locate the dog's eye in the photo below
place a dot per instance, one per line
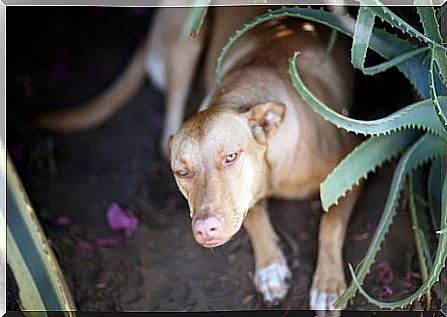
(183, 173)
(230, 158)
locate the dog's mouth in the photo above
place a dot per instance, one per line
(217, 243)
(214, 243)
(221, 239)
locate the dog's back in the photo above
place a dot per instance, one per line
(270, 46)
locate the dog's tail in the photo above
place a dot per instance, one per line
(94, 112)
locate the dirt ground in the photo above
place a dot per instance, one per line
(160, 267)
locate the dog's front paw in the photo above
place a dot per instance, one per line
(271, 281)
(323, 303)
(327, 286)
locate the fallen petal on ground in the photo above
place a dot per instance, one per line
(384, 273)
(118, 219)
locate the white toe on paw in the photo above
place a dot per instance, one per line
(271, 281)
(323, 303)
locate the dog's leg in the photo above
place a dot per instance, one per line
(180, 71)
(328, 280)
(271, 272)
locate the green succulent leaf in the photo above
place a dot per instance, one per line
(440, 112)
(420, 224)
(429, 22)
(432, 29)
(385, 14)
(365, 158)
(418, 115)
(364, 26)
(374, 70)
(426, 148)
(331, 43)
(438, 170)
(429, 146)
(362, 34)
(39, 279)
(195, 19)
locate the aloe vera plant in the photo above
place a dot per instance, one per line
(196, 17)
(417, 132)
(40, 281)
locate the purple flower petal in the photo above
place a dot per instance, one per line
(119, 220)
(385, 273)
(386, 291)
(111, 242)
(63, 221)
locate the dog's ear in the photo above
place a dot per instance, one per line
(264, 119)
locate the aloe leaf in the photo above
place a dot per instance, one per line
(427, 16)
(432, 29)
(434, 96)
(365, 158)
(374, 70)
(427, 147)
(438, 170)
(195, 19)
(385, 44)
(331, 43)
(441, 252)
(419, 224)
(419, 115)
(385, 14)
(362, 35)
(32, 261)
(29, 295)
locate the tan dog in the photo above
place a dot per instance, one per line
(254, 137)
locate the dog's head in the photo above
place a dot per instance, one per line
(218, 158)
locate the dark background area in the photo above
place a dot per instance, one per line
(61, 56)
